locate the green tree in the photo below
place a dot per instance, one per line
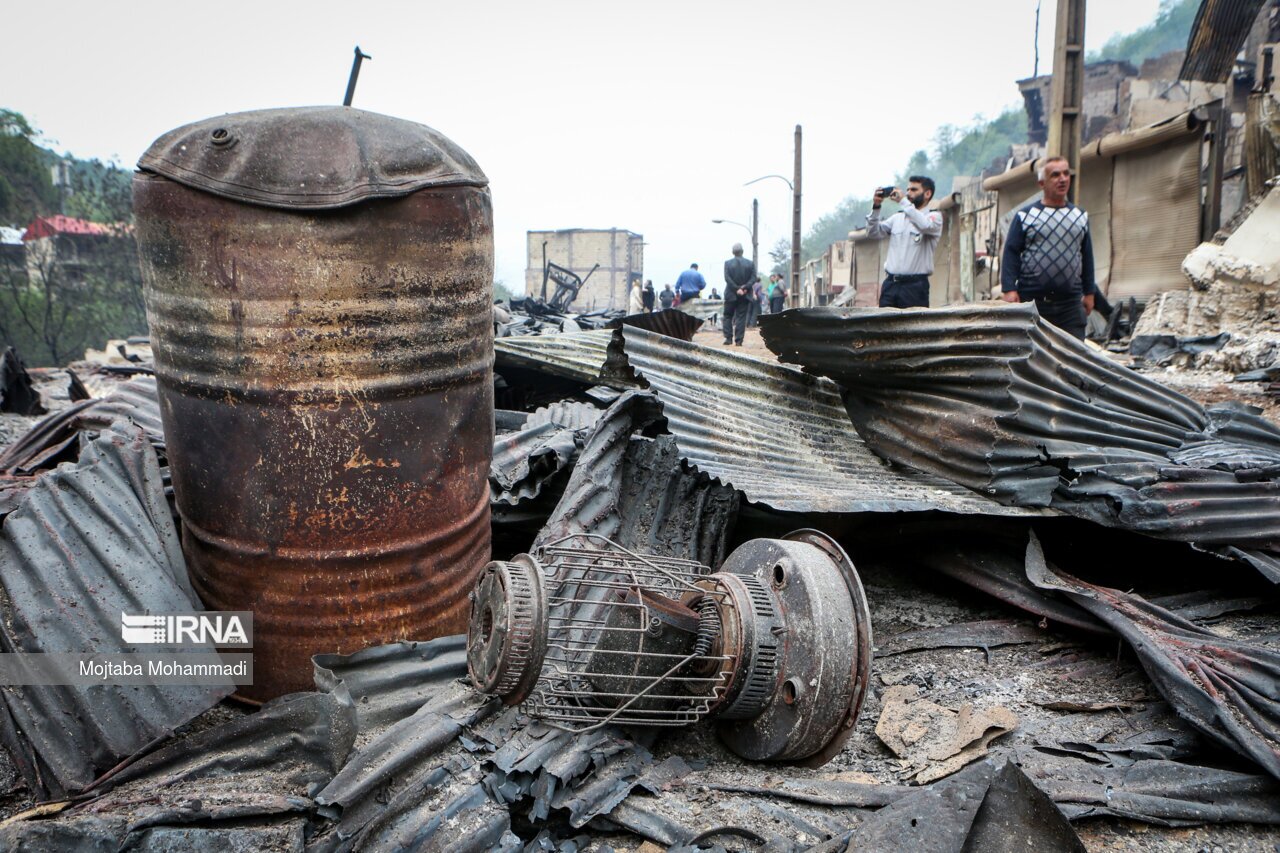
(501, 293)
(780, 254)
(26, 190)
(1169, 31)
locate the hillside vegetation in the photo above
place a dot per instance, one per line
(968, 150)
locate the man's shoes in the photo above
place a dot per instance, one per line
(737, 343)
(727, 343)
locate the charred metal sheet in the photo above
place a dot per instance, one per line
(1002, 573)
(994, 399)
(391, 682)
(87, 543)
(778, 435)
(579, 356)
(325, 373)
(635, 491)
(1216, 35)
(568, 414)
(17, 395)
(983, 807)
(671, 322)
(405, 757)
(54, 439)
(980, 808)
(1161, 792)
(986, 635)
(250, 778)
(1227, 688)
(523, 461)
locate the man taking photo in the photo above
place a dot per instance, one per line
(913, 235)
(1048, 254)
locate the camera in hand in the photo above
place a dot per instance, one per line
(886, 191)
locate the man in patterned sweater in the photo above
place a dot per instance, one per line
(1048, 254)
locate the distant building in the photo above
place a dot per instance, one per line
(619, 253)
(12, 250)
(74, 245)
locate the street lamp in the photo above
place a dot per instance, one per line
(795, 218)
(755, 220)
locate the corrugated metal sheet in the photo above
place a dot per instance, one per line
(991, 397)
(1227, 687)
(245, 785)
(634, 491)
(670, 321)
(579, 356)
(388, 683)
(778, 435)
(1216, 36)
(86, 543)
(522, 461)
(54, 439)
(567, 413)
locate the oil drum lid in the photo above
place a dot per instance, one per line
(310, 158)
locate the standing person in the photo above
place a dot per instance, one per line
(1048, 254)
(739, 283)
(690, 283)
(913, 235)
(667, 296)
(778, 295)
(635, 302)
(647, 296)
(757, 302)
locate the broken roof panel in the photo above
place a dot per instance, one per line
(780, 436)
(671, 322)
(50, 440)
(991, 397)
(1228, 688)
(1216, 36)
(87, 543)
(237, 786)
(578, 356)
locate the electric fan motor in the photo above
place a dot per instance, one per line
(776, 646)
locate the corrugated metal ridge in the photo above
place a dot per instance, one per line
(667, 321)
(578, 356)
(779, 435)
(1216, 35)
(995, 399)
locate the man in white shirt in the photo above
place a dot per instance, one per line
(913, 235)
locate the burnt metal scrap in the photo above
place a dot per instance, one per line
(1227, 688)
(583, 633)
(88, 542)
(1216, 36)
(994, 399)
(633, 489)
(57, 438)
(17, 395)
(778, 435)
(670, 322)
(244, 785)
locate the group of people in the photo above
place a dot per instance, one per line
(1048, 259)
(1048, 253)
(746, 294)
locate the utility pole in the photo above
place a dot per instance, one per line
(755, 230)
(1067, 88)
(795, 223)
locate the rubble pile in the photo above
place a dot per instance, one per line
(1233, 292)
(1019, 508)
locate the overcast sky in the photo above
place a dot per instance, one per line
(645, 116)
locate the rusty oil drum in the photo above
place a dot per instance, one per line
(318, 286)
